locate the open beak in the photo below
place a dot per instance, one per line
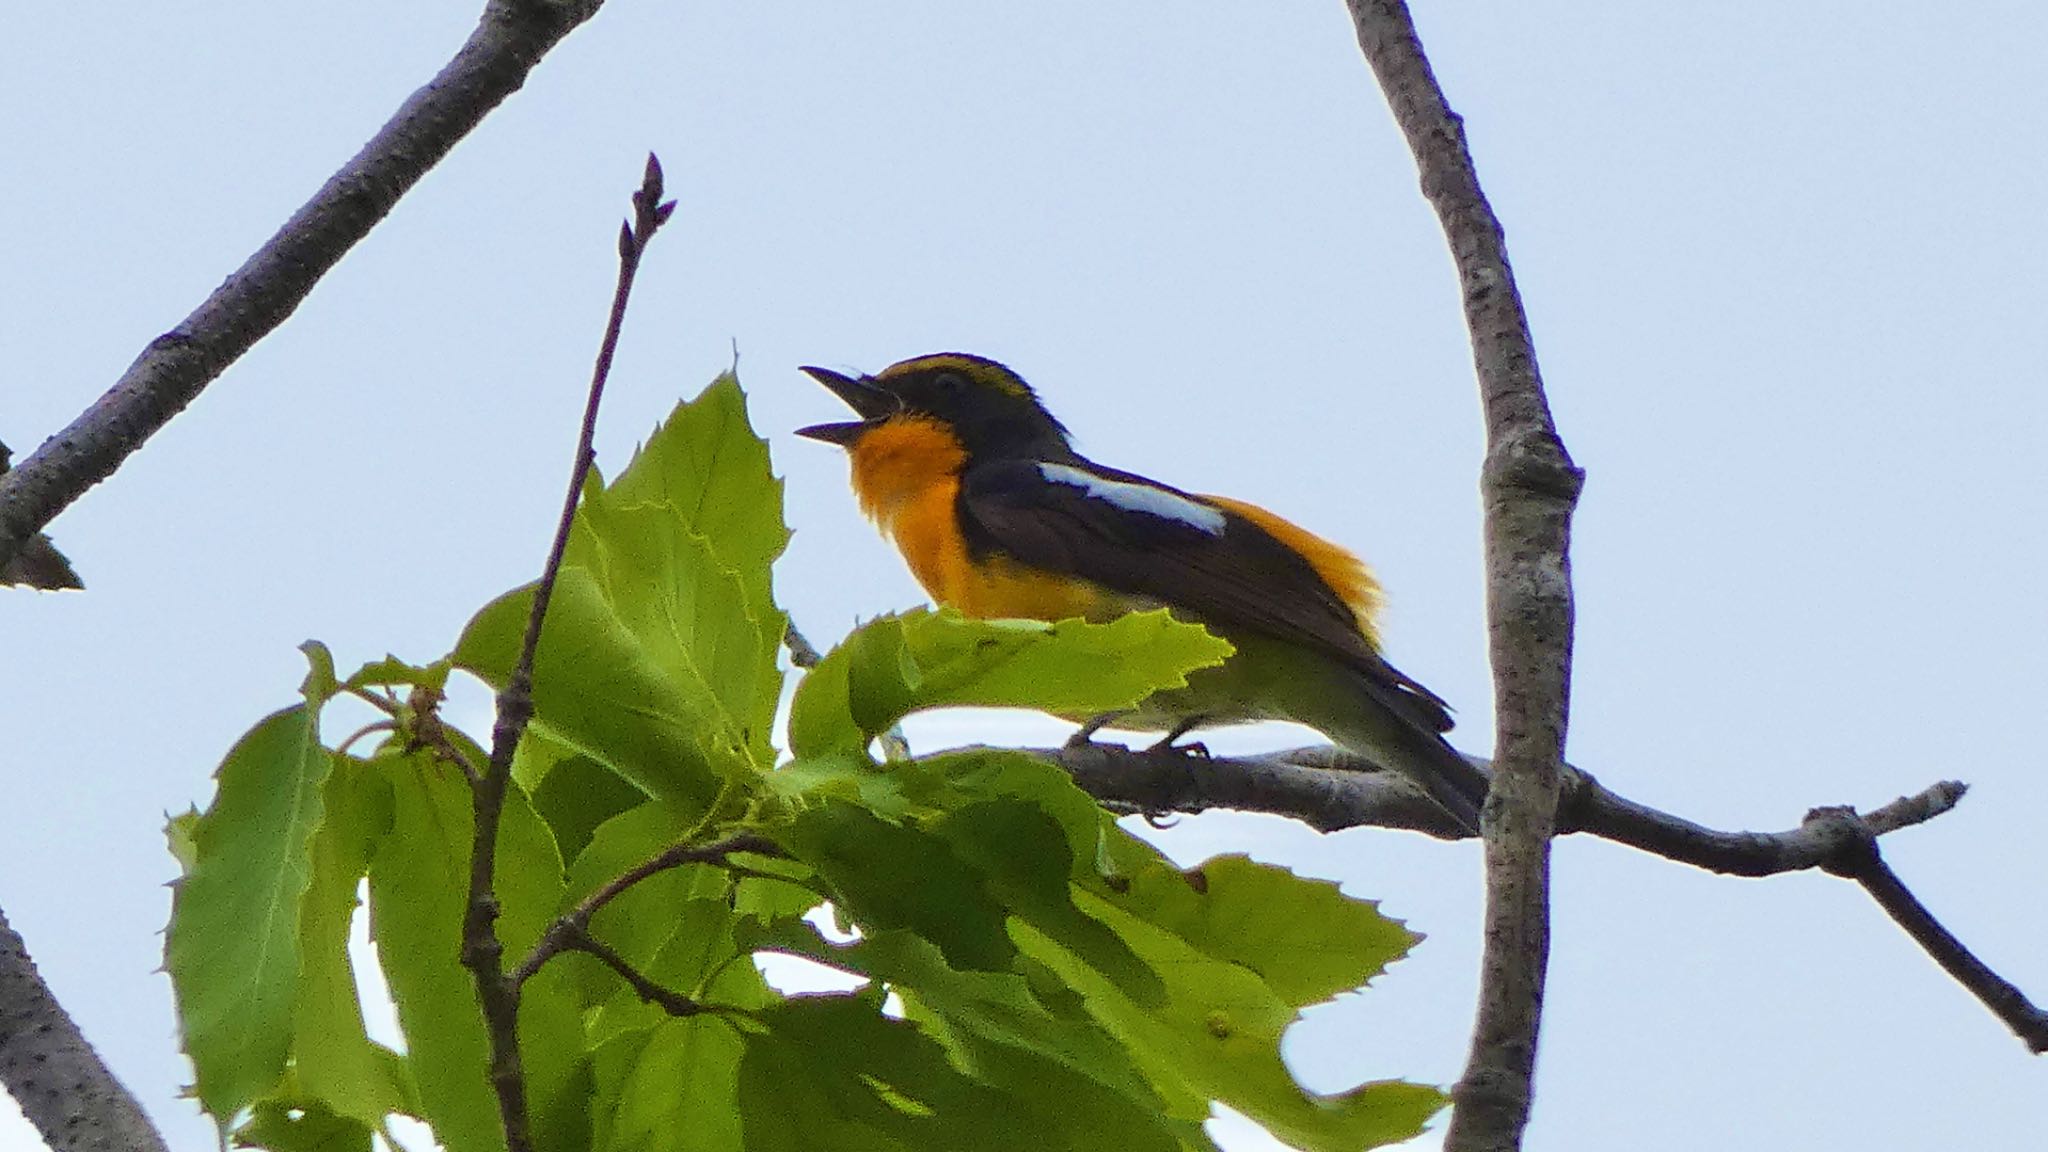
(873, 404)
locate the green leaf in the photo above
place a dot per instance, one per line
(638, 922)
(706, 463)
(301, 1126)
(598, 689)
(419, 885)
(319, 685)
(897, 665)
(1206, 968)
(233, 946)
(1077, 1082)
(889, 875)
(691, 612)
(531, 893)
(669, 1088)
(833, 1072)
(577, 795)
(334, 1061)
(659, 654)
(391, 672)
(181, 834)
(1023, 857)
(1303, 937)
(1218, 1037)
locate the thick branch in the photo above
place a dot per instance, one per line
(37, 563)
(1329, 789)
(1529, 487)
(51, 1071)
(171, 372)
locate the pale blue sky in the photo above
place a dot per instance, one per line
(1786, 266)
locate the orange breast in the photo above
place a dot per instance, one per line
(906, 475)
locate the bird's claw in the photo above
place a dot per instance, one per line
(1085, 734)
(1194, 748)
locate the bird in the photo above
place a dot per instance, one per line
(960, 464)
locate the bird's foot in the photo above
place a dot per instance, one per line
(1085, 734)
(1193, 748)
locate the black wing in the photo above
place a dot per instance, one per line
(1146, 539)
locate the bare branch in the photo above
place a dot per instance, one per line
(509, 40)
(482, 952)
(1530, 487)
(51, 1071)
(2008, 1003)
(37, 564)
(1329, 788)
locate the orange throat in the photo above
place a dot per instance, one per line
(906, 475)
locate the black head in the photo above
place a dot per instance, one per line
(989, 408)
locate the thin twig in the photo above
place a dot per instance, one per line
(674, 1003)
(493, 63)
(342, 748)
(2005, 1001)
(1330, 789)
(482, 952)
(53, 1074)
(575, 923)
(1529, 487)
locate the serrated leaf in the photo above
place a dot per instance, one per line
(897, 665)
(180, 835)
(1218, 1034)
(1302, 936)
(1242, 947)
(672, 590)
(659, 654)
(706, 463)
(233, 947)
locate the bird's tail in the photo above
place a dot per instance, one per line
(1370, 718)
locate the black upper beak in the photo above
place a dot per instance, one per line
(874, 404)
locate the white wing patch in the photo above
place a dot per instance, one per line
(1138, 498)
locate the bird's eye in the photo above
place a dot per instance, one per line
(950, 382)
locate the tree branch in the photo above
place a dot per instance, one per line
(1530, 487)
(573, 926)
(1329, 789)
(510, 39)
(37, 563)
(51, 1071)
(482, 952)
